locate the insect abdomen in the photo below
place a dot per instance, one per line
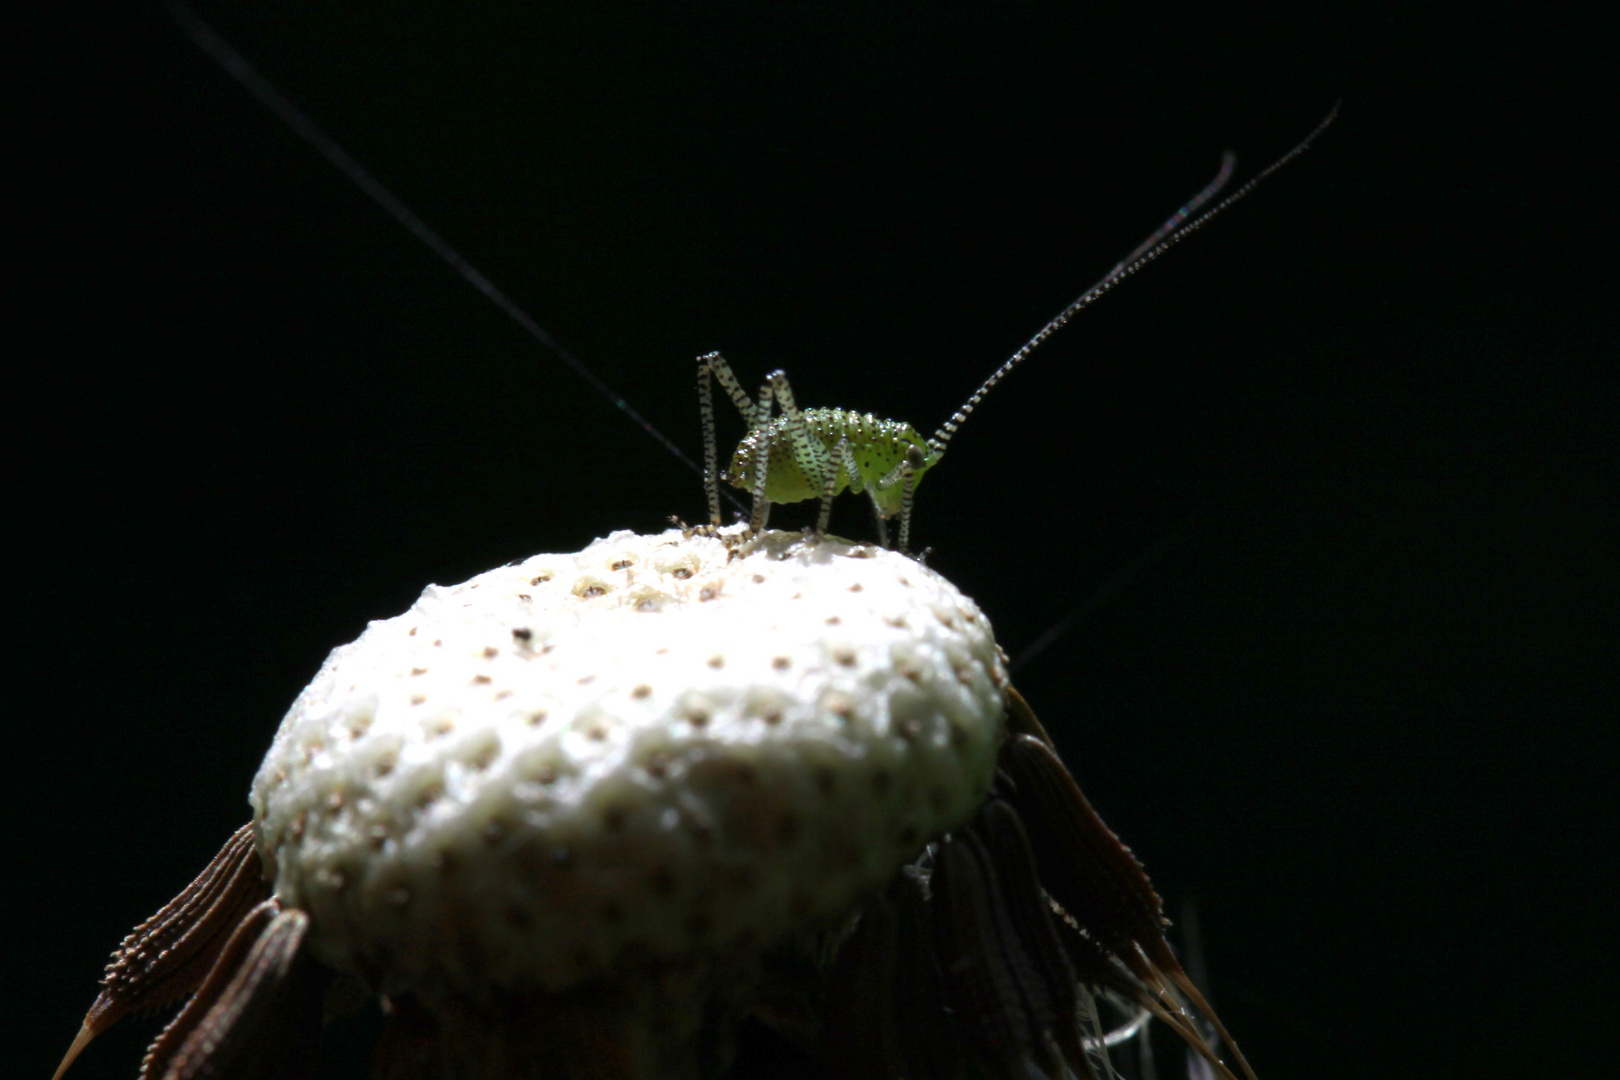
(877, 446)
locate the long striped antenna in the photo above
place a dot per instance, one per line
(235, 64)
(1178, 227)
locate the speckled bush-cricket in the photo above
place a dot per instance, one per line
(811, 453)
(787, 454)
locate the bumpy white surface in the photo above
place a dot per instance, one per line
(639, 751)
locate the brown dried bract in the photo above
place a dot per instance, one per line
(169, 955)
(258, 1014)
(1092, 877)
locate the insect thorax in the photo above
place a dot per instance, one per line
(876, 446)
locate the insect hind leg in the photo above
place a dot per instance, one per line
(713, 366)
(810, 454)
(759, 439)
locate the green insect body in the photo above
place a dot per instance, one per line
(814, 453)
(818, 453)
(877, 447)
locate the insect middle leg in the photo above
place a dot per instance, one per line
(843, 461)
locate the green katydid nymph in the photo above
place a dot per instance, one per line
(787, 454)
(791, 454)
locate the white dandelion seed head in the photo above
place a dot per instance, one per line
(641, 751)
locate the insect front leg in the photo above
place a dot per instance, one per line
(904, 474)
(908, 480)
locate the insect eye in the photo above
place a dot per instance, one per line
(916, 455)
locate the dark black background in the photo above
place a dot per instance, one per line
(1361, 711)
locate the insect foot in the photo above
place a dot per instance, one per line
(582, 815)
